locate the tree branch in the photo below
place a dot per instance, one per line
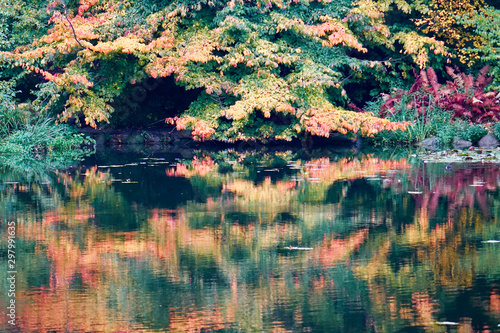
(65, 14)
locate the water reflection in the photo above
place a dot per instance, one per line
(238, 242)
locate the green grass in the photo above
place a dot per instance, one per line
(433, 121)
(24, 142)
(429, 122)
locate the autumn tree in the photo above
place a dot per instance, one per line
(442, 19)
(261, 69)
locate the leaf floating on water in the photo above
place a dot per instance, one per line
(298, 248)
(450, 323)
(491, 241)
(128, 181)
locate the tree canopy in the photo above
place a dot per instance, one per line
(255, 69)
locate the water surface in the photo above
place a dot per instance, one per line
(253, 242)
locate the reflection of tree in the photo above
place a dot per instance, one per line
(381, 259)
(93, 273)
(462, 186)
(439, 248)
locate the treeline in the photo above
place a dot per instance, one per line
(244, 70)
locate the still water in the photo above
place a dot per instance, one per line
(251, 242)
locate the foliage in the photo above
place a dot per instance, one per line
(271, 70)
(426, 121)
(267, 70)
(21, 22)
(474, 133)
(442, 19)
(454, 109)
(10, 116)
(56, 144)
(486, 24)
(496, 130)
(28, 137)
(465, 96)
(447, 131)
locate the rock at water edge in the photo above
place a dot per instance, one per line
(488, 141)
(430, 143)
(461, 143)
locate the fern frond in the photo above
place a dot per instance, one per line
(433, 80)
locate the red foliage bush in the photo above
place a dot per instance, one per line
(465, 96)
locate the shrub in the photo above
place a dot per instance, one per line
(474, 133)
(45, 139)
(428, 120)
(496, 130)
(448, 130)
(465, 96)
(459, 128)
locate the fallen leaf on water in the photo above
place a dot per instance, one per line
(451, 323)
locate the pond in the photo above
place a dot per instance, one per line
(219, 241)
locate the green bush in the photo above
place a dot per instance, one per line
(473, 133)
(459, 128)
(45, 139)
(10, 117)
(496, 130)
(447, 131)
